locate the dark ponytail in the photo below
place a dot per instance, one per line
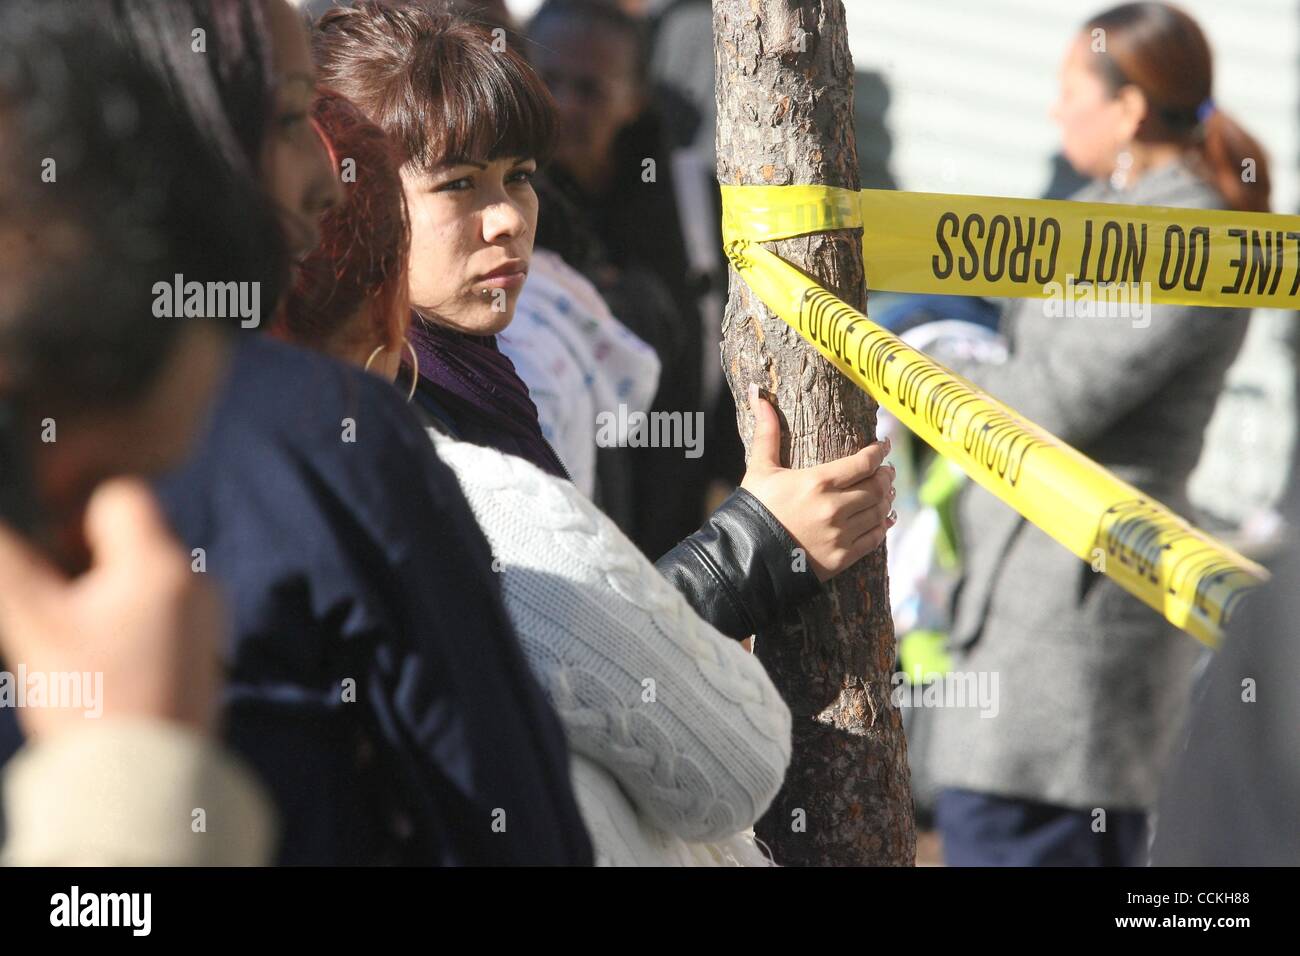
(1232, 158)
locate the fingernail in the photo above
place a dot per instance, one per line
(892, 492)
(888, 445)
(892, 517)
(753, 392)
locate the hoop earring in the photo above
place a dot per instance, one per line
(415, 370)
(415, 366)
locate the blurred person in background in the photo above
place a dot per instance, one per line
(96, 386)
(616, 163)
(1094, 684)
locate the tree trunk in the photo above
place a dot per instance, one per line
(785, 116)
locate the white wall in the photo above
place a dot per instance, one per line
(971, 81)
(523, 9)
(971, 84)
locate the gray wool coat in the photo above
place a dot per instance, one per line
(1092, 685)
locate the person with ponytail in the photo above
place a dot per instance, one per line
(1094, 684)
(1153, 65)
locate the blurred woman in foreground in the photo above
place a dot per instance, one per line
(95, 385)
(376, 684)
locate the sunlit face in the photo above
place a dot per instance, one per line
(1095, 125)
(589, 73)
(472, 231)
(295, 167)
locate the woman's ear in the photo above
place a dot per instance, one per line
(1133, 110)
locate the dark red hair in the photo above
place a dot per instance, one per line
(359, 266)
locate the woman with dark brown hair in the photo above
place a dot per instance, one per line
(677, 779)
(1094, 684)
(472, 122)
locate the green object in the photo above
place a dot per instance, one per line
(922, 655)
(939, 490)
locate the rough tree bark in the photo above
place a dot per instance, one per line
(785, 116)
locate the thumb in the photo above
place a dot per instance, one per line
(124, 523)
(765, 449)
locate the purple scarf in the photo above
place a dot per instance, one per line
(468, 378)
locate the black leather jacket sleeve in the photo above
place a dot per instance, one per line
(739, 570)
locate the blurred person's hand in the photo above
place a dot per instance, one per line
(139, 616)
(837, 512)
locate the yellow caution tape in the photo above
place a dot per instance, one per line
(1040, 248)
(1190, 578)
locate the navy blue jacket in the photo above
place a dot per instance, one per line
(375, 682)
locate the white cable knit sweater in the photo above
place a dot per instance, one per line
(686, 724)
